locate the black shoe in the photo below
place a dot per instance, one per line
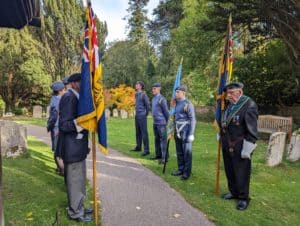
(84, 218)
(176, 173)
(135, 149)
(88, 210)
(242, 204)
(155, 158)
(184, 177)
(228, 196)
(145, 153)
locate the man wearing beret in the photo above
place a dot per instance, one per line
(185, 123)
(66, 83)
(238, 137)
(74, 145)
(52, 123)
(160, 115)
(142, 107)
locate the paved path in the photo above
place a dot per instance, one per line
(131, 195)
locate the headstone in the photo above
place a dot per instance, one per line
(131, 114)
(37, 111)
(115, 113)
(9, 114)
(276, 148)
(13, 139)
(293, 150)
(123, 114)
(47, 111)
(107, 114)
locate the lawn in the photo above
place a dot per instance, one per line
(33, 193)
(274, 192)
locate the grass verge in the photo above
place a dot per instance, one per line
(33, 192)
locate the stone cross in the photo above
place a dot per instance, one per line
(276, 148)
(293, 150)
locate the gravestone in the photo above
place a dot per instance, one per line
(276, 148)
(13, 139)
(115, 113)
(131, 114)
(123, 114)
(107, 114)
(293, 150)
(37, 111)
(8, 114)
(47, 111)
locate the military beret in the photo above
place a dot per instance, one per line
(74, 77)
(141, 83)
(182, 88)
(57, 86)
(233, 85)
(157, 84)
(65, 80)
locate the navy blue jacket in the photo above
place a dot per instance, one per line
(160, 110)
(71, 148)
(142, 105)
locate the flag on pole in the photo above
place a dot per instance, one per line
(170, 123)
(91, 98)
(225, 71)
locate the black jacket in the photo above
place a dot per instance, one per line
(71, 148)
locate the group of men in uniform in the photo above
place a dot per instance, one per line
(238, 134)
(185, 122)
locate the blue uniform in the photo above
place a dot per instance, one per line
(142, 108)
(185, 122)
(160, 115)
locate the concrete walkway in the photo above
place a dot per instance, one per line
(131, 195)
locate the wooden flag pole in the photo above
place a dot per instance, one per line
(95, 178)
(217, 187)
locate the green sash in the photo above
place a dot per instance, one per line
(227, 118)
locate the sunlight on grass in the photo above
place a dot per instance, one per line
(274, 191)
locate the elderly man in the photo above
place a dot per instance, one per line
(160, 115)
(142, 107)
(238, 137)
(185, 123)
(73, 142)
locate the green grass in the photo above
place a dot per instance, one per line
(275, 191)
(33, 192)
(29, 120)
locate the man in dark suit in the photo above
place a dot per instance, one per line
(238, 137)
(73, 144)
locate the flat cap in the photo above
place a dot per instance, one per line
(57, 86)
(74, 77)
(182, 88)
(141, 83)
(157, 84)
(65, 80)
(233, 85)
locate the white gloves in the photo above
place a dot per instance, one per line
(190, 138)
(248, 148)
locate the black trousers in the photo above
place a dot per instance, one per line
(160, 134)
(237, 171)
(141, 133)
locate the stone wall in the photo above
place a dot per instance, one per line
(13, 139)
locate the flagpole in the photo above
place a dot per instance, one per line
(94, 178)
(217, 186)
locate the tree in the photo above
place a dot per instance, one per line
(137, 20)
(23, 77)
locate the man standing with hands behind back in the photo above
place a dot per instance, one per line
(238, 137)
